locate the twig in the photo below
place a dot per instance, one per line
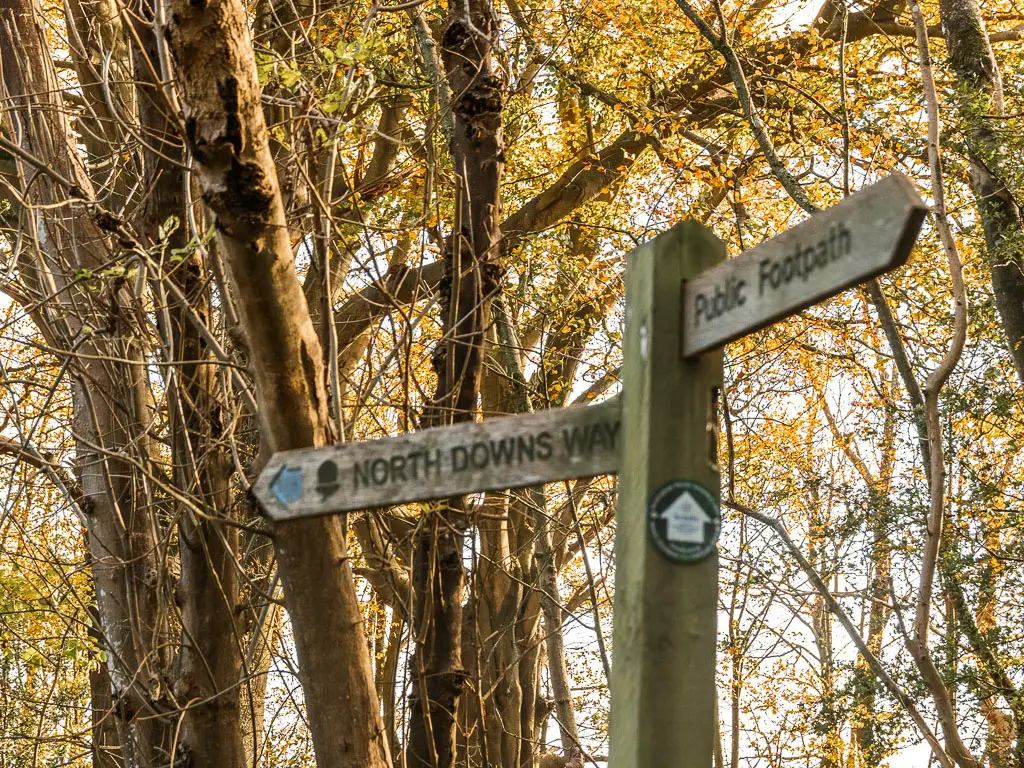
(932, 390)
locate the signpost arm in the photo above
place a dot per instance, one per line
(663, 673)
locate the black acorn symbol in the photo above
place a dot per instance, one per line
(327, 479)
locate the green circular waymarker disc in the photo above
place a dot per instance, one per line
(683, 521)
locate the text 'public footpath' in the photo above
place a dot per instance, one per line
(775, 273)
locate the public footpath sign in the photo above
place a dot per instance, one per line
(437, 463)
(865, 235)
(683, 302)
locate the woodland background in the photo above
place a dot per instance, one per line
(228, 229)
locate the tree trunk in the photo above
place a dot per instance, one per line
(530, 661)
(209, 662)
(551, 607)
(865, 684)
(471, 266)
(999, 748)
(828, 723)
(979, 105)
(212, 51)
(436, 666)
(110, 411)
(387, 678)
(497, 594)
(106, 749)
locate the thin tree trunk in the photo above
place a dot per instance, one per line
(470, 279)
(932, 389)
(821, 624)
(735, 698)
(530, 659)
(263, 638)
(1002, 752)
(387, 679)
(551, 607)
(719, 756)
(865, 683)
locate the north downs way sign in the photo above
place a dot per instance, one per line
(509, 452)
(867, 234)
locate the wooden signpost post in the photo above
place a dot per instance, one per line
(666, 594)
(683, 302)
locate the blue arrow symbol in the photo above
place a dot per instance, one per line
(287, 484)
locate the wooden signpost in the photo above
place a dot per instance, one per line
(865, 235)
(438, 463)
(664, 619)
(683, 302)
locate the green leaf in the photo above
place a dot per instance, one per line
(289, 76)
(168, 227)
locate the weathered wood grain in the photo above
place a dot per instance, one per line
(509, 452)
(663, 669)
(867, 234)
